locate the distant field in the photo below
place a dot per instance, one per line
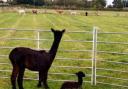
(106, 22)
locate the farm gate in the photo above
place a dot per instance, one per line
(79, 50)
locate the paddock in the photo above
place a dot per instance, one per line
(75, 50)
(66, 12)
(65, 64)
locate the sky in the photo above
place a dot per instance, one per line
(109, 2)
(4, 0)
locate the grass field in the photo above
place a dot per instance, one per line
(107, 22)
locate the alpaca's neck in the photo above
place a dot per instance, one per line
(54, 48)
(80, 81)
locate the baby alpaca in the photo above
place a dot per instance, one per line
(72, 84)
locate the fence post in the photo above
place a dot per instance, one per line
(94, 52)
(38, 40)
(38, 45)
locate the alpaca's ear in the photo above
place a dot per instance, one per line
(63, 30)
(52, 30)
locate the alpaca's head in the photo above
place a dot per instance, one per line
(57, 33)
(80, 74)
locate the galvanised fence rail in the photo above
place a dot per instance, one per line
(94, 69)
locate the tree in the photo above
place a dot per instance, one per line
(110, 6)
(125, 3)
(99, 4)
(118, 3)
(39, 2)
(87, 3)
(33, 2)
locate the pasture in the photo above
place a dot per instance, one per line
(108, 22)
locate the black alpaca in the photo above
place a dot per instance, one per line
(74, 85)
(22, 57)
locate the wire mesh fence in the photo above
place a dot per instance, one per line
(102, 58)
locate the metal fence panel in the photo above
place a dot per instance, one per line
(94, 51)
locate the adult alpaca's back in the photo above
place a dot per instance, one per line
(29, 58)
(35, 60)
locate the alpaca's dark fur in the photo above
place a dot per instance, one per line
(22, 57)
(74, 85)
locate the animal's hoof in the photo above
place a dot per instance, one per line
(46, 87)
(13, 88)
(39, 85)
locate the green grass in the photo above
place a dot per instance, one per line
(107, 22)
(53, 85)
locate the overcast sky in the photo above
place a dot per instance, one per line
(109, 2)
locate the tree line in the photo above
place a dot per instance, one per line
(65, 3)
(120, 3)
(96, 4)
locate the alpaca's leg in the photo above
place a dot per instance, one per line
(44, 79)
(13, 76)
(39, 83)
(20, 78)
